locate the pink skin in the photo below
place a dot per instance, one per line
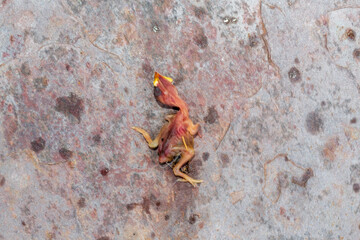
(176, 137)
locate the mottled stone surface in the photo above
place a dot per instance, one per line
(274, 84)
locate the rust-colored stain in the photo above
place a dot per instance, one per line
(104, 171)
(350, 34)
(2, 180)
(10, 127)
(145, 205)
(280, 179)
(81, 202)
(225, 159)
(329, 150)
(304, 178)
(356, 54)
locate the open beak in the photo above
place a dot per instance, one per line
(165, 92)
(158, 78)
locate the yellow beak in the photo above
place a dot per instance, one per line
(156, 78)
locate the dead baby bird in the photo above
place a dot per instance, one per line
(176, 137)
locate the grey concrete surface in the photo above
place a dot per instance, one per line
(274, 84)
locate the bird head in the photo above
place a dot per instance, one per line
(165, 92)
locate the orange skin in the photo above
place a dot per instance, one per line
(176, 137)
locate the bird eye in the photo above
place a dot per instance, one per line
(157, 92)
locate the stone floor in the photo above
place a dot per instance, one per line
(275, 86)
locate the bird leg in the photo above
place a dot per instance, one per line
(186, 156)
(152, 143)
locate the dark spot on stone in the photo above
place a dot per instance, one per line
(353, 120)
(201, 40)
(135, 177)
(356, 54)
(131, 206)
(126, 90)
(192, 218)
(212, 115)
(147, 68)
(195, 165)
(38, 145)
(56, 53)
(250, 20)
(23, 223)
(25, 210)
(282, 211)
(25, 69)
(152, 198)
(152, 235)
(40, 83)
(65, 153)
(253, 40)
(314, 123)
(167, 217)
(225, 159)
(158, 203)
(296, 61)
(205, 156)
(67, 66)
(350, 34)
(356, 187)
(283, 180)
(104, 171)
(97, 138)
(2, 180)
(323, 103)
(76, 7)
(294, 75)
(199, 12)
(150, 114)
(256, 148)
(179, 78)
(146, 205)
(81, 202)
(70, 105)
(304, 178)
(104, 238)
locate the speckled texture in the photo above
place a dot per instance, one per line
(274, 84)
